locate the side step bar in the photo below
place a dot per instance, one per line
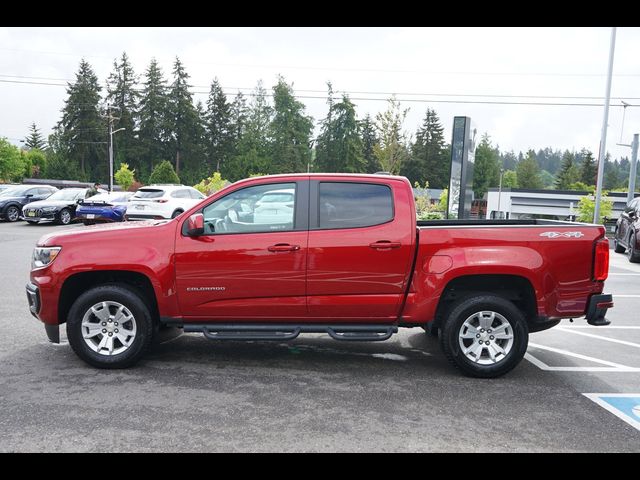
(363, 333)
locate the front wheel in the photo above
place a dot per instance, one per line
(484, 336)
(110, 326)
(64, 217)
(13, 214)
(632, 253)
(617, 247)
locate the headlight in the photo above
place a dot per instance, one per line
(48, 209)
(43, 256)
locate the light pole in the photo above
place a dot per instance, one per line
(500, 192)
(111, 132)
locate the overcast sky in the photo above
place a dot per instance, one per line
(442, 64)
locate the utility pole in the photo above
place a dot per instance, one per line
(603, 137)
(632, 173)
(111, 132)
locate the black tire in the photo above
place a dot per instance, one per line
(632, 254)
(64, 217)
(130, 298)
(176, 213)
(617, 247)
(465, 308)
(12, 213)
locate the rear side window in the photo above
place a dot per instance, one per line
(351, 205)
(181, 194)
(149, 193)
(195, 194)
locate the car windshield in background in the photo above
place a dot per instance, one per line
(277, 197)
(109, 197)
(66, 194)
(15, 191)
(148, 193)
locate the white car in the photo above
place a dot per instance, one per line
(275, 206)
(161, 201)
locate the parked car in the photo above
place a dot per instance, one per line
(6, 186)
(104, 207)
(275, 206)
(626, 237)
(60, 207)
(161, 201)
(354, 264)
(13, 199)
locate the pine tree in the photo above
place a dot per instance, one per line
(369, 140)
(391, 149)
(82, 129)
(290, 131)
(568, 173)
(486, 168)
(122, 101)
(164, 173)
(183, 122)
(217, 127)
(34, 139)
(154, 117)
(528, 172)
(339, 147)
(589, 168)
(428, 161)
(239, 114)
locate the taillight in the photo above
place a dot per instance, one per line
(162, 200)
(601, 260)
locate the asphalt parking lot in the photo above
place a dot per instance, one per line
(315, 394)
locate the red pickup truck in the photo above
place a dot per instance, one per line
(271, 257)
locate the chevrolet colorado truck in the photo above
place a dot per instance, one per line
(268, 258)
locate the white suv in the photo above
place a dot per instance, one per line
(161, 201)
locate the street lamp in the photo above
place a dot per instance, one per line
(500, 192)
(111, 132)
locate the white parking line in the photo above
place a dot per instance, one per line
(628, 413)
(632, 274)
(606, 339)
(625, 296)
(611, 366)
(620, 327)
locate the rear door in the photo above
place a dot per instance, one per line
(361, 241)
(244, 268)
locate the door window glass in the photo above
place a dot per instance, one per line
(350, 205)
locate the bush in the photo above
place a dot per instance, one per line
(587, 206)
(135, 186)
(124, 177)
(164, 173)
(212, 184)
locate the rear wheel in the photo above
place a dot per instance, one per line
(12, 214)
(632, 253)
(484, 336)
(617, 247)
(176, 213)
(64, 217)
(110, 326)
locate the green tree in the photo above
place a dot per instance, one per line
(211, 184)
(35, 163)
(125, 177)
(59, 163)
(486, 169)
(587, 206)
(12, 163)
(122, 101)
(339, 146)
(509, 179)
(290, 131)
(569, 171)
(184, 122)
(369, 141)
(443, 200)
(164, 173)
(528, 172)
(82, 130)
(217, 127)
(252, 154)
(154, 117)
(428, 159)
(589, 168)
(34, 139)
(391, 149)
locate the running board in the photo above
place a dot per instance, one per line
(362, 333)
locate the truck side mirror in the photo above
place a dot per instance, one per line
(195, 225)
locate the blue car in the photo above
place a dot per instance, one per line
(103, 207)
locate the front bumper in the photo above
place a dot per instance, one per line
(597, 309)
(33, 297)
(36, 215)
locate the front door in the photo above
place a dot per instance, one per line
(250, 264)
(361, 241)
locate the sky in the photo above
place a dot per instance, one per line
(441, 68)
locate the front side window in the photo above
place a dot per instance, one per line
(262, 208)
(351, 205)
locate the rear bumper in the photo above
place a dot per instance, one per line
(597, 309)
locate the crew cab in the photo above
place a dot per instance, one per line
(348, 259)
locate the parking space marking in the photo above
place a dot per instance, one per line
(632, 274)
(610, 366)
(625, 406)
(606, 339)
(625, 296)
(608, 327)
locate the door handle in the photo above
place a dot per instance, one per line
(383, 244)
(283, 247)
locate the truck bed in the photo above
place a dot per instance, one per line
(484, 223)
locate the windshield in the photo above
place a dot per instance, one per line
(148, 193)
(15, 191)
(66, 194)
(109, 197)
